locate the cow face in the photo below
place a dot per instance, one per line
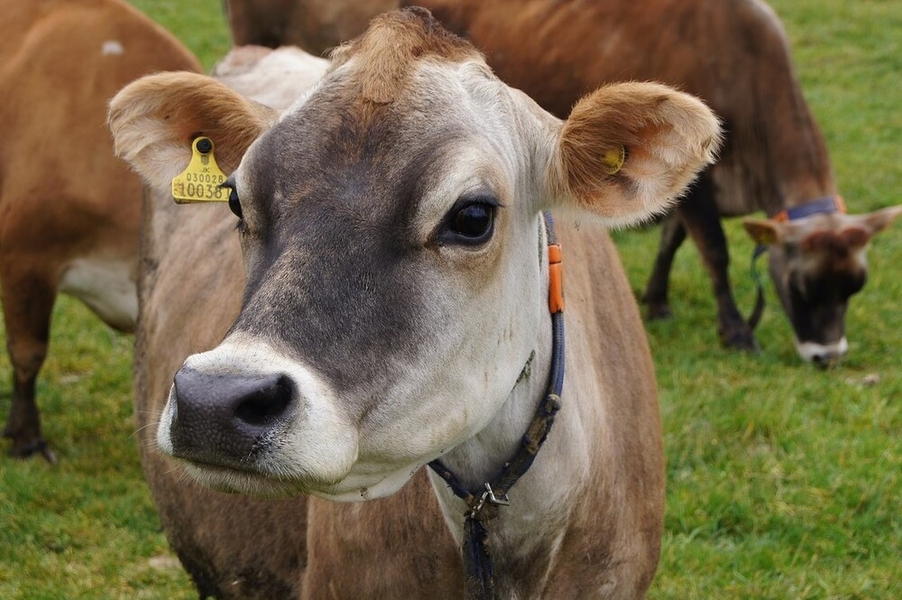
(391, 229)
(817, 263)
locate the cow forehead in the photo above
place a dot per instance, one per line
(453, 131)
(401, 103)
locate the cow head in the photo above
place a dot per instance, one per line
(817, 263)
(391, 228)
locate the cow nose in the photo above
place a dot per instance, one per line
(225, 419)
(827, 356)
(826, 359)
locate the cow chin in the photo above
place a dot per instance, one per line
(353, 488)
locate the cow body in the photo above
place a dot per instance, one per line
(735, 56)
(395, 309)
(69, 209)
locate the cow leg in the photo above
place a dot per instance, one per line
(28, 299)
(655, 298)
(701, 219)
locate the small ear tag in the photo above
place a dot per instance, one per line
(201, 180)
(613, 159)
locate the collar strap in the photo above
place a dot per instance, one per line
(826, 205)
(482, 505)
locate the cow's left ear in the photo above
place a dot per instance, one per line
(628, 150)
(155, 119)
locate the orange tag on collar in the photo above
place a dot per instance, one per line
(555, 279)
(201, 181)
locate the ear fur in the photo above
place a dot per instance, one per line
(762, 231)
(668, 137)
(155, 119)
(879, 220)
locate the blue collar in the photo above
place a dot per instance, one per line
(826, 205)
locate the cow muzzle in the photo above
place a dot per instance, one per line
(246, 419)
(228, 420)
(823, 355)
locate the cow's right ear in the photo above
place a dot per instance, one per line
(155, 119)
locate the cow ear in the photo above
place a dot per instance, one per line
(155, 119)
(879, 220)
(628, 150)
(763, 231)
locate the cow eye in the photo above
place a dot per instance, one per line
(234, 202)
(471, 221)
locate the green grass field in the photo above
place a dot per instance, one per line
(783, 481)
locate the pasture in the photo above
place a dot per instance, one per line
(784, 481)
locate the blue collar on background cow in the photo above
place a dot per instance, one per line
(825, 205)
(483, 504)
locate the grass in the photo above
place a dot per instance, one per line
(783, 481)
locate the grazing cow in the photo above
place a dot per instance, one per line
(396, 309)
(734, 54)
(69, 209)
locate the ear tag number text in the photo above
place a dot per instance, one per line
(201, 180)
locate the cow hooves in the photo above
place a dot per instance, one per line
(39, 447)
(741, 340)
(658, 311)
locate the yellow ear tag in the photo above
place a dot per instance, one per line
(201, 180)
(613, 160)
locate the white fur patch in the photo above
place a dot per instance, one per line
(112, 48)
(106, 286)
(276, 78)
(822, 352)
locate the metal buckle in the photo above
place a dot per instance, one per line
(488, 497)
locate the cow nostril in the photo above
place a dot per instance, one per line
(266, 404)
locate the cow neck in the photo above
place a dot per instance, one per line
(818, 206)
(483, 504)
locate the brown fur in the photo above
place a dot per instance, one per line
(398, 41)
(324, 23)
(64, 197)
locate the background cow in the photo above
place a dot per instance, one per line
(69, 209)
(734, 54)
(432, 108)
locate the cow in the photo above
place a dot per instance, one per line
(389, 300)
(69, 209)
(735, 55)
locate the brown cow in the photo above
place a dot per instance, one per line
(734, 54)
(396, 309)
(69, 209)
